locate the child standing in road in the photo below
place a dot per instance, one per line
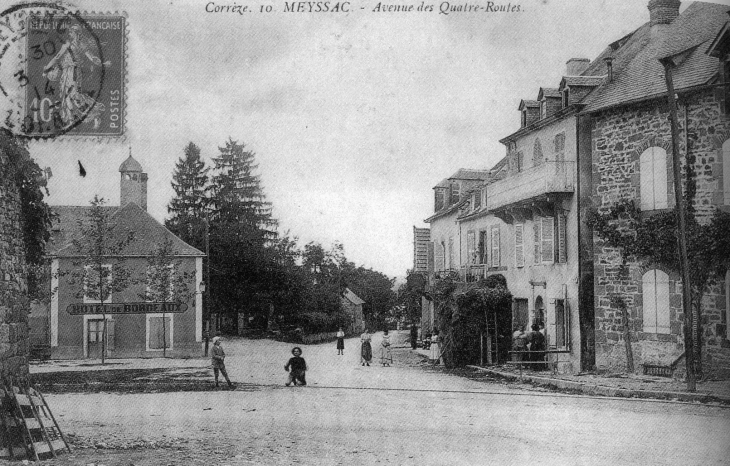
(218, 357)
(298, 367)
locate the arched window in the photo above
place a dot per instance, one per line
(653, 176)
(655, 295)
(726, 171)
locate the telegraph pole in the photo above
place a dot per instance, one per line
(681, 211)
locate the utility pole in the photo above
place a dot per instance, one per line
(207, 284)
(681, 211)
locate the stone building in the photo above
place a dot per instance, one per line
(14, 305)
(352, 305)
(135, 328)
(632, 158)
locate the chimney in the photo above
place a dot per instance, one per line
(576, 66)
(609, 68)
(133, 185)
(663, 11)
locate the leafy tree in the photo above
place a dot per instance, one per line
(165, 282)
(101, 270)
(376, 289)
(189, 208)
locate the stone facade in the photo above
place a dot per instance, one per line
(619, 137)
(14, 305)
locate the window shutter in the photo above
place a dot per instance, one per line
(430, 257)
(470, 247)
(110, 335)
(519, 245)
(536, 226)
(495, 246)
(451, 253)
(483, 247)
(660, 178)
(726, 171)
(649, 303)
(562, 252)
(439, 256)
(548, 239)
(662, 302)
(646, 177)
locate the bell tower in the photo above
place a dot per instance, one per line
(133, 184)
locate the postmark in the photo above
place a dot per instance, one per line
(62, 72)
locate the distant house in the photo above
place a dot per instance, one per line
(352, 305)
(134, 328)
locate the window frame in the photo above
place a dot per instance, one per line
(495, 246)
(657, 197)
(88, 300)
(655, 299)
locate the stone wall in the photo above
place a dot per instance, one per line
(619, 137)
(14, 306)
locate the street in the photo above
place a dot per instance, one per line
(409, 413)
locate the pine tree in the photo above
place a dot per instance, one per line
(237, 194)
(189, 208)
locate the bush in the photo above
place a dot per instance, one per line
(317, 322)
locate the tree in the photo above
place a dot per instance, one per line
(242, 233)
(189, 208)
(165, 282)
(373, 287)
(101, 270)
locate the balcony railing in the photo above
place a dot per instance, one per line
(547, 178)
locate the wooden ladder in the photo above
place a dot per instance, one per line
(30, 414)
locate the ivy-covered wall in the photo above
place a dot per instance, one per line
(14, 305)
(619, 136)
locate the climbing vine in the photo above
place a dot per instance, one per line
(463, 310)
(653, 240)
(35, 214)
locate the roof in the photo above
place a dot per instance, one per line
(548, 92)
(352, 297)
(130, 165)
(720, 42)
(131, 218)
(528, 103)
(638, 74)
(578, 81)
(469, 174)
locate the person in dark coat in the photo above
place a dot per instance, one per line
(536, 341)
(218, 357)
(366, 350)
(297, 368)
(340, 342)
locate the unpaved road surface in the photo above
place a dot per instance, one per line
(407, 414)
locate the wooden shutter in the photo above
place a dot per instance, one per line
(110, 335)
(451, 253)
(649, 301)
(662, 302)
(455, 193)
(495, 246)
(439, 256)
(653, 179)
(548, 239)
(438, 199)
(726, 169)
(562, 252)
(659, 158)
(470, 247)
(536, 227)
(483, 247)
(519, 245)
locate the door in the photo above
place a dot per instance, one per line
(521, 316)
(94, 338)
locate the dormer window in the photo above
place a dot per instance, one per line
(477, 199)
(543, 109)
(455, 193)
(566, 97)
(523, 121)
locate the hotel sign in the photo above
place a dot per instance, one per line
(126, 308)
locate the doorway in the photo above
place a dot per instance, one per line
(539, 318)
(94, 338)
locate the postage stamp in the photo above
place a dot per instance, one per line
(69, 73)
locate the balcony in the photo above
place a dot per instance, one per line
(534, 188)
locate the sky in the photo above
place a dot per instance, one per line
(353, 117)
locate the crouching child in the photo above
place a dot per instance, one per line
(297, 368)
